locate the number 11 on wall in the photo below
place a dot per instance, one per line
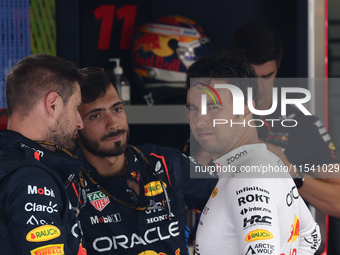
(107, 13)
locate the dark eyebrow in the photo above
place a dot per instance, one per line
(268, 74)
(115, 104)
(102, 109)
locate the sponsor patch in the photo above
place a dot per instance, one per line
(40, 153)
(331, 146)
(258, 234)
(49, 249)
(98, 199)
(292, 196)
(34, 221)
(159, 218)
(152, 235)
(136, 175)
(262, 248)
(149, 252)
(43, 233)
(35, 207)
(105, 219)
(257, 219)
(314, 239)
(214, 194)
(236, 156)
(40, 191)
(253, 209)
(250, 189)
(153, 188)
(253, 198)
(294, 230)
(158, 168)
(205, 210)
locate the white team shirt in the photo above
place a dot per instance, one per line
(249, 213)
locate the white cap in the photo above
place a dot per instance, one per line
(117, 70)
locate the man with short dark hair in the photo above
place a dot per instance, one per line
(137, 195)
(307, 144)
(43, 96)
(251, 211)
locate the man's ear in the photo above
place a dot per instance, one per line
(51, 102)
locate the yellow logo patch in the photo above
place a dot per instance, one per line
(331, 146)
(214, 194)
(43, 233)
(49, 249)
(258, 234)
(149, 252)
(153, 188)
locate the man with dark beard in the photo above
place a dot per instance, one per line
(136, 196)
(36, 217)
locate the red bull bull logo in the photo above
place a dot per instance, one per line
(147, 42)
(294, 230)
(148, 252)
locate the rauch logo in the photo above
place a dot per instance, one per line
(153, 188)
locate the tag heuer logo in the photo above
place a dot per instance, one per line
(98, 199)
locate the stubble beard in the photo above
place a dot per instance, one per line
(93, 146)
(58, 134)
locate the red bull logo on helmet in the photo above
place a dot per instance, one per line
(147, 42)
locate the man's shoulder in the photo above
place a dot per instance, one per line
(31, 174)
(295, 113)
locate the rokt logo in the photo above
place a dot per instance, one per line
(153, 188)
(43, 233)
(41, 191)
(252, 198)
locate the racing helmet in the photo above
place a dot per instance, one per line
(162, 51)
